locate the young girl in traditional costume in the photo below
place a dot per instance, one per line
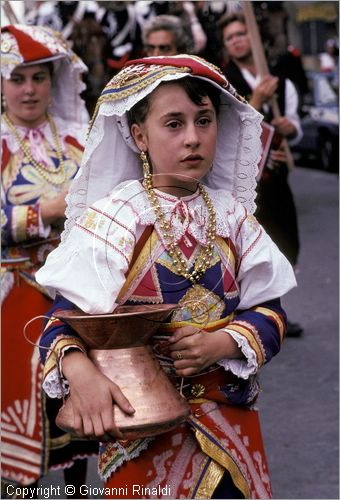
(43, 127)
(183, 234)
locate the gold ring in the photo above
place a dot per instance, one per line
(179, 355)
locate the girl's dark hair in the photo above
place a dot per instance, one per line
(195, 89)
(50, 67)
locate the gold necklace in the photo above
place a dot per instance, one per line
(54, 176)
(203, 261)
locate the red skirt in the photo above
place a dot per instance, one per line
(31, 443)
(217, 442)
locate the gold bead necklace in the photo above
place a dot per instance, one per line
(54, 176)
(203, 261)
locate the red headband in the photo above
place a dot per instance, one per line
(198, 66)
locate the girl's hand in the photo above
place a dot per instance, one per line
(92, 395)
(193, 350)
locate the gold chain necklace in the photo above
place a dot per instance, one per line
(203, 261)
(53, 176)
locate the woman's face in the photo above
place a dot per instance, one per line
(180, 138)
(27, 94)
(236, 40)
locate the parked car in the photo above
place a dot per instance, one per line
(320, 125)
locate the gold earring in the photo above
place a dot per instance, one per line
(3, 102)
(146, 170)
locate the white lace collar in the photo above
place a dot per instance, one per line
(186, 215)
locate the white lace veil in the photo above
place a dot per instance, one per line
(111, 155)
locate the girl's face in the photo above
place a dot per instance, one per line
(27, 94)
(179, 137)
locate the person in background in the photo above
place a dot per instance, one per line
(183, 233)
(208, 13)
(186, 13)
(329, 62)
(329, 58)
(275, 204)
(165, 36)
(43, 127)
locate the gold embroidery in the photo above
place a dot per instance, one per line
(90, 220)
(224, 460)
(200, 306)
(52, 360)
(214, 325)
(20, 223)
(274, 316)
(210, 481)
(197, 390)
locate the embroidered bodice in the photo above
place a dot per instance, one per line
(22, 185)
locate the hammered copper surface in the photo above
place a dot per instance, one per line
(159, 407)
(128, 326)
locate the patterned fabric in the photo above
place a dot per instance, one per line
(31, 443)
(24, 188)
(225, 432)
(103, 239)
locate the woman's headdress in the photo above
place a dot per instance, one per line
(111, 155)
(28, 45)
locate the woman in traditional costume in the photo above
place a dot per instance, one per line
(185, 234)
(43, 127)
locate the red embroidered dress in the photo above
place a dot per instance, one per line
(31, 443)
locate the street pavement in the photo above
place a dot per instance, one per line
(299, 403)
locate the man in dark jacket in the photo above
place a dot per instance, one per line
(276, 209)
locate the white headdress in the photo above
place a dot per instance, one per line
(111, 155)
(27, 45)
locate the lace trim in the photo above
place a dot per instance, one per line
(54, 386)
(123, 455)
(248, 158)
(184, 214)
(235, 165)
(241, 368)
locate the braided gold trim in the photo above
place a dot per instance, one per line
(129, 87)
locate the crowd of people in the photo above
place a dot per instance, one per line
(106, 34)
(164, 205)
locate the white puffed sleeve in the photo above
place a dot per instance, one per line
(264, 273)
(89, 267)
